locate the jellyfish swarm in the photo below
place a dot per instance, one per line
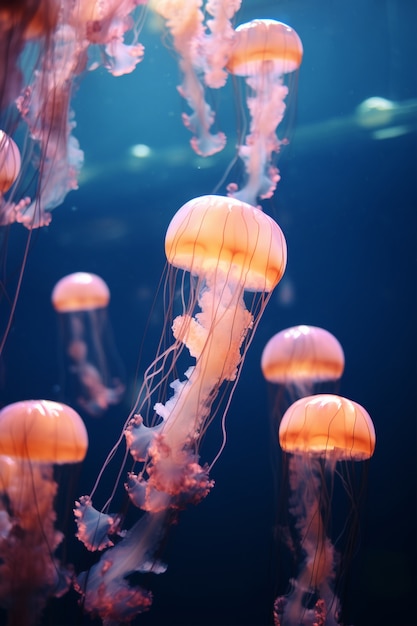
(202, 59)
(302, 357)
(34, 436)
(224, 247)
(264, 52)
(92, 363)
(318, 433)
(45, 45)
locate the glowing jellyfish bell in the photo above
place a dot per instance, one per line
(92, 363)
(224, 248)
(301, 357)
(35, 435)
(318, 432)
(264, 52)
(9, 162)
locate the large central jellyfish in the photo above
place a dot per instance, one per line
(226, 248)
(318, 433)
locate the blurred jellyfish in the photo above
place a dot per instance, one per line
(45, 46)
(264, 52)
(92, 362)
(202, 59)
(320, 434)
(225, 248)
(35, 435)
(300, 358)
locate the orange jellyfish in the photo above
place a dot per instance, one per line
(319, 434)
(301, 357)
(264, 52)
(35, 435)
(230, 256)
(92, 363)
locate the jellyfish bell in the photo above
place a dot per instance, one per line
(9, 162)
(301, 357)
(35, 435)
(80, 291)
(213, 232)
(318, 433)
(328, 426)
(42, 431)
(264, 52)
(92, 364)
(263, 43)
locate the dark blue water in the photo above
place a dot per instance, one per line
(347, 205)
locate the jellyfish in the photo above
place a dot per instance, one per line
(226, 251)
(302, 357)
(35, 435)
(264, 52)
(46, 46)
(202, 59)
(93, 364)
(318, 435)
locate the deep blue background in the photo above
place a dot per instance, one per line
(347, 205)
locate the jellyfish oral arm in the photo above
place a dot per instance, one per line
(267, 109)
(219, 42)
(105, 587)
(317, 571)
(213, 337)
(199, 122)
(185, 22)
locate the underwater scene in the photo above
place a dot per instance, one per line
(208, 312)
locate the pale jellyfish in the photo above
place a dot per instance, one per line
(45, 46)
(202, 60)
(320, 434)
(229, 252)
(35, 435)
(302, 357)
(93, 365)
(264, 52)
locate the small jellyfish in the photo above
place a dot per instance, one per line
(264, 52)
(92, 363)
(300, 358)
(35, 435)
(226, 257)
(319, 435)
